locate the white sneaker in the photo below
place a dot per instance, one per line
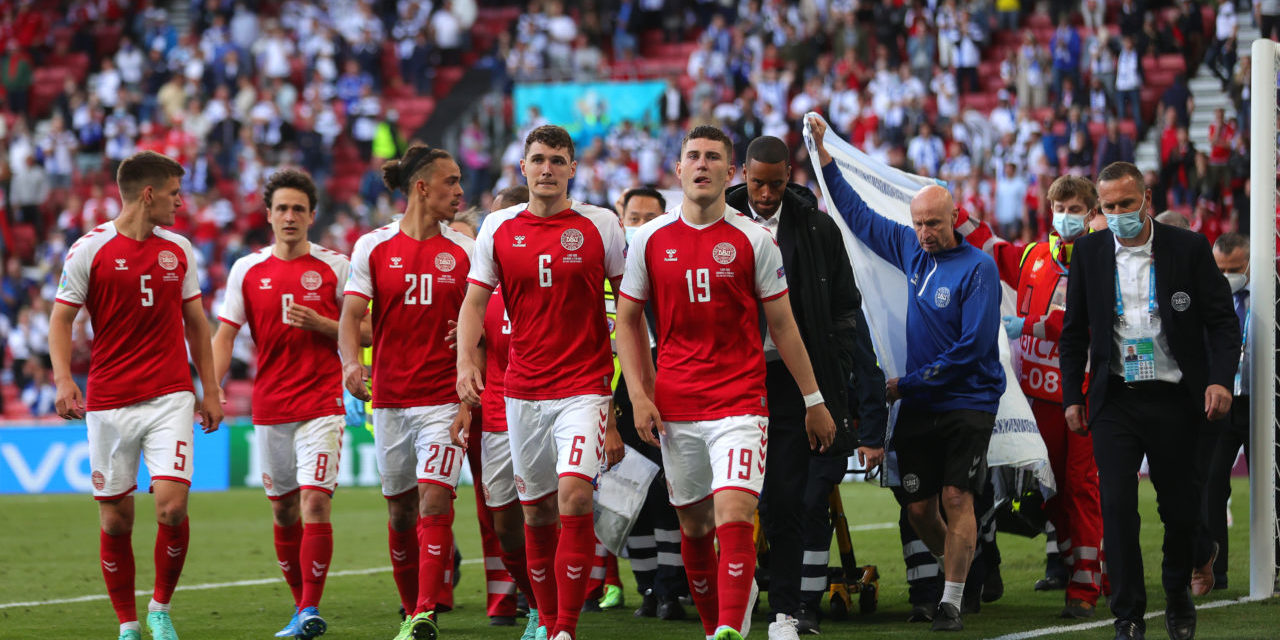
(751, 605)
(563, 635)
(784, 628)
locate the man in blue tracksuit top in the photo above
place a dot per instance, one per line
(954, 378)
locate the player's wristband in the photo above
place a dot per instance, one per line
(813, 399)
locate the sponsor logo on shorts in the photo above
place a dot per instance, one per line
(911, 483)
(571, 239)
(445, 262)
(266, 481)
(724, 253)
(99, 480)
(167, 260)
(942, 297)
(311, 280)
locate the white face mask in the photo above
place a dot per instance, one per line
(1237, 281)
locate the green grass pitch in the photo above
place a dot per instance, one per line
(48, 551)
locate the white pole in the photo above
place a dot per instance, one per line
(1261, 343)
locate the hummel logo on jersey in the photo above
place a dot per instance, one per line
(434, 549)
(573, 572)
(519, 242)
(266, 284)
(120, 265)
(399, 555)
(173, 551)
(700, 586)
(537, 575)
(110, 566)
(671, 255)
(735, 569)
(395, 262)
(317, 568)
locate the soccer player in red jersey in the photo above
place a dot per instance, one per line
(551, 258)
(707, 269)
(290, 294)
(413, 271)
(138, 283)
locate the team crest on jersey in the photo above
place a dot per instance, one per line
(266, 284)
(167, 260)
(445, 262)
(671, 255)
(724, 253)
(311, 280)
(942, 297)
(99, 480)
(519, 242)
(396, 262)
(120, 265)
(571, 239)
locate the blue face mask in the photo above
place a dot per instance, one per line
(1068, 225)
(631, 232)
(1127, 225)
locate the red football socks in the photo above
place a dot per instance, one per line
(404, 565)
(170, 555)
(315, 555)
(116, 555)
(737, 571)
(574, 556)
(517, 565)
(288, 547)
(699, 557)
(540, 545)
(435, 558)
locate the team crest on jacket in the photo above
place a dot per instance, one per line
(445, 262)
(942, 297)
(311, 280)
(167, 260)
(724, 253)
(1181, 301)
(571, 239)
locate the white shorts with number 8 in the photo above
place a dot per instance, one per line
(300, 455)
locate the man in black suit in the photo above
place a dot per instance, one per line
(1157, 288)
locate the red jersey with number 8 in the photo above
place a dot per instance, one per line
(134, 292)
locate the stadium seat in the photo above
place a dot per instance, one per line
(107, 38)
(445, 78)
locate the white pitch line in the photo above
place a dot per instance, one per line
(1035, 633)
(206, 586)
(875, 526)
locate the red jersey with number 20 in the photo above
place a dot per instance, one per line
(552, 271)
(705, 283)
(134, 292)
(497, 345)
(299, 372)
(417, 287)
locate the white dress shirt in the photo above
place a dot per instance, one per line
(1134, 269)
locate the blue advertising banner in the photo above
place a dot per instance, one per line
(56, 460)
(589, 109)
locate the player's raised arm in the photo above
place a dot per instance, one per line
(470, 330)
(70, 400)
(196, 328)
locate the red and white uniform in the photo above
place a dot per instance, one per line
(705, 284)
(297, 393)
(416, 287)
(140, 398)
(552, 272)
(497, 475)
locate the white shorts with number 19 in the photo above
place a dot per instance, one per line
(555, 438)
(706, 456)
(300, 455)
(413, 446)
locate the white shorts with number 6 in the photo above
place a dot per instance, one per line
(300, 455)
(158, 430)
(413, 446)
(555, 438)
(706, 456)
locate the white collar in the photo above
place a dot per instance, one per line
(1144, 248)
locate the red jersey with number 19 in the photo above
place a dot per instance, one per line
(299, 372)
(552, 271)
(497, 345)
(705, 283)
(417, 287)
(134, 292)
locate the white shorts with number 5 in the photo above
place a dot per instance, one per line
(300, 455)
(413, 446)
(706, 456)
(158, 430)
(555, 438)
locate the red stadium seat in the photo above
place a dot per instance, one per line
(445, 78)
(414, 113)
(1173, 62)
(107, 38)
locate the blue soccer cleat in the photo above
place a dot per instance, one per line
(310, 624)
(290, 630)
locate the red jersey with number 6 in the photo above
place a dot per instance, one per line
(705, 283)
(417, 287)
(497, 345)
(299, 373)
(134, 292)
(552, 271)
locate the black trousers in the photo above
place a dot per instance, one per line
(1159, 420)
(1224, 440)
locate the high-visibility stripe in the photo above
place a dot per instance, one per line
(644, 564)
(667, 535)
(913, 547)
(642, 542)
(813, 584)
(669, 559)
(919, 573)
(817, 557)
(1086, 553)
(494, 564)
(500, 586)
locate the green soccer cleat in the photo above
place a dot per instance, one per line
(130, 634)
(423, 627)
(725, 632)
(406, 629)
(612, 597)
(531, 627)
(161, 626)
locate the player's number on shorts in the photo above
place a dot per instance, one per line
(419, 289)
(575, 450)
(743, 460)
(699, 281)
(322, 466)
(446, 455)
(181, 464)
(148, 296)
(544, 270)
(286, 301)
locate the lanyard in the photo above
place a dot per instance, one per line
(1244, 335)
(1151, 294)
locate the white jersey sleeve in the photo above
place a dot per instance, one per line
(340, 265)
(191, 279)
(360, 276)
(770, 276)
(484, 269)
(461, 239)
(73, 287)
(232, 311)
(611, 234)
(635, 281)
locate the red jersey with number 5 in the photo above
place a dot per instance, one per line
(706, 284)
(134, 292)
(497, 345)
(299, 373)
(552, 271)
(417, 287)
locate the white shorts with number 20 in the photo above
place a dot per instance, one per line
(413, 446)
(706, 456)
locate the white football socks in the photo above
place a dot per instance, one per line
(952, 592)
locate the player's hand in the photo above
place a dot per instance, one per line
(304, 318)
(470, 383)
(614, 450)
(1077, 422)
(356, 379)
(870, 457)
(820, 427)
(69, 401)
(211, 410)
(451, 338)
(1217, 402)
(891, 394)
(648, 421)
(818, 129)
(460, 430)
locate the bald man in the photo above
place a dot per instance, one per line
(953, 378)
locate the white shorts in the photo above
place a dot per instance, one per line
(413, 446)
(300, 455)
(706, 456)
(555, 438)
(498, 481)
(159, 429)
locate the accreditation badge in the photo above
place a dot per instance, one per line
(1139, 359)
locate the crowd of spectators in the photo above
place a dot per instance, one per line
(998, 98)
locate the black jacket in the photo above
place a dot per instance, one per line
(1204, 336)
(828, 309)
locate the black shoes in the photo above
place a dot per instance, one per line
(648, 605)
(921, 613)
(1050, 583)
(993, 586)
(1180, 616)
(1077, 610)
(670, 609)
(946, 618)
(1128, 630)
(807, 621)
